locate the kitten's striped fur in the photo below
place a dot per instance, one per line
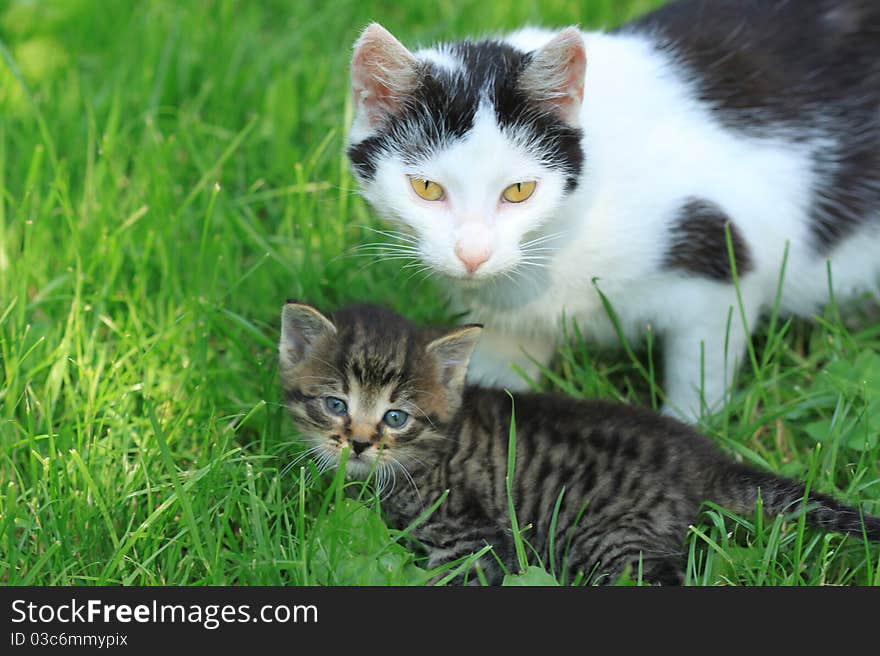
(642, 476)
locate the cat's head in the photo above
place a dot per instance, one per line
(367, 379)
(472, 146)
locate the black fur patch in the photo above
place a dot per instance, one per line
(805, 68)
(443, 105)
(699, 243)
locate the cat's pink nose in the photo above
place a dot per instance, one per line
(472, 257)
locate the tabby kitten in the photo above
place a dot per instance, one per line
(533, 170)
(395, 395)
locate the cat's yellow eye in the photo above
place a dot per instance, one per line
(519, 191)
(427, 189)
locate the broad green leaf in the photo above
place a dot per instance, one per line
(533, 576)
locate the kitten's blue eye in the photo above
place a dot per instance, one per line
(335, 406)
(395, 418)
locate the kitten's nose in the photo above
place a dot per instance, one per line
(358, 447)
(472, 257)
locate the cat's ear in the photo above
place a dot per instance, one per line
(555, 74)
(453, 353)
(301, 326)
(383, 74)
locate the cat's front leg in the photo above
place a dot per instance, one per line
(455, 539)
(498, 356)
(703, 348)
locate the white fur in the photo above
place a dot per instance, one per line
(649, 145)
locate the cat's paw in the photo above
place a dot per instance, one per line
(691, 416)
(497, 376)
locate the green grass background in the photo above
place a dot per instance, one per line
(170, 172)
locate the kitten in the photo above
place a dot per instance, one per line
(536, 170)
(395, 395)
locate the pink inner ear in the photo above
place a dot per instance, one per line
(570, 93)
(576, 66)
(383, 71)
(556, 74)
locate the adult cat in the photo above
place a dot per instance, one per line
(662, 164)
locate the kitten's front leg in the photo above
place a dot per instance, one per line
(497, 354)
(455, 538)
(702, 350)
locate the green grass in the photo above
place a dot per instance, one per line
(169, 174)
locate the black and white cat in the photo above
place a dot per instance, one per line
(532, 169)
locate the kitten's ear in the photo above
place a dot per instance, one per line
(555, 75)
(453, 352)
(383, 74)
(301, 326)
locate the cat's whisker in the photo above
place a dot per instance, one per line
(389, 258)
(332, 367)
(321, 465)
(385, 246)
(387, 477)
(375, 479)
(385, 252)
(416, 406)
(385, 256)
(393, 475)
(542, 240)
(318, 379)
(391, 234)
(413, 265)
(509, 275)
(532, 266)
(302, 456)
(408, 477)
(423, 269)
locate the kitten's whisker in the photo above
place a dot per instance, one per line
(390, 469)
(326, 379)
(408, 478)
(332, 367)
(324, 462)
(424, 414)
(302, 456)
(376, 480)
(424, 463)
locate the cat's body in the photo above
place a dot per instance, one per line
(633, 480)
(759, 115)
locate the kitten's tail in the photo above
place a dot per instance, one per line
(737, 487)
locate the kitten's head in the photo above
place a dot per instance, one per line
(367, 379)
(470, 145)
